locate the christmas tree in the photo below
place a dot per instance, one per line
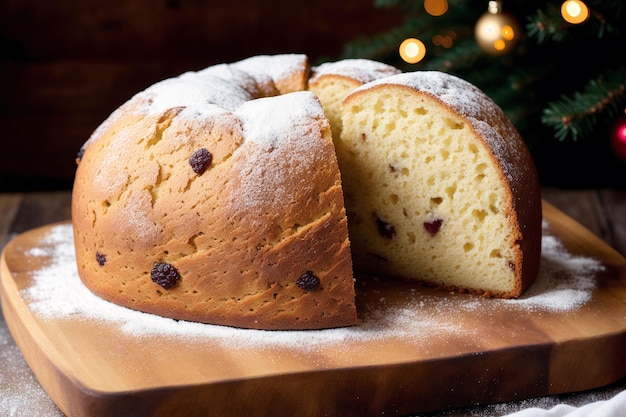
(558, 70)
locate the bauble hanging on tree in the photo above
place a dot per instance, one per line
(497, 32)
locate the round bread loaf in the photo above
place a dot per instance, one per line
(201, 200)
(439, 186)
(216, 196)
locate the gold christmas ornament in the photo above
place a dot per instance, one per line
(497, 32)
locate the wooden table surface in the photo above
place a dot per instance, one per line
(601, 211)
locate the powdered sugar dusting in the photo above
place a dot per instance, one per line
(273, 121)
(556, 289)
(20, 392)
(197, 92)
(565, 283)
(276, 66)
(459, 94)
(362, 70)
(285, 132)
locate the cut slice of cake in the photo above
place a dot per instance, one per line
(439, 186)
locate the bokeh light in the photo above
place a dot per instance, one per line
(497, 32)
(446, 40)
(412, 50)
(507, 32)
(436, 7)
(574, 11)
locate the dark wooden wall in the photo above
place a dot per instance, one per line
(65, 65)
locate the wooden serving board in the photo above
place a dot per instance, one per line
(417, 349)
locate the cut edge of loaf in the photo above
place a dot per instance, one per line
(494, 137)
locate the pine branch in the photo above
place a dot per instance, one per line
(578, 115)
(464, 55)
(547, 25)
(416, 23)
(378, 46)
(608, 13)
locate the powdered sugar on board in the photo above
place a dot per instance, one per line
(20, 392)
(565, 283)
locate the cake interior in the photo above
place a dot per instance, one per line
(422, 194)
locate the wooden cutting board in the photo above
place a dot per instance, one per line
(417, 349)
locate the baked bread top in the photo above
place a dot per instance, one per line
(198, 200)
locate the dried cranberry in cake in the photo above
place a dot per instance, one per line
(433, 226)
(308, 281)
(385, 229)
(200, 160)
(164, 274)
(100, 258)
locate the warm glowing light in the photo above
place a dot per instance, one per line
(497, 32)
(491, 30)
(574, 11)
(445, 41)
(412, 50)
(507, 33)
(436, 7)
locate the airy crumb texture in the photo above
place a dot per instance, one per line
(333, 81)
(439, 186)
